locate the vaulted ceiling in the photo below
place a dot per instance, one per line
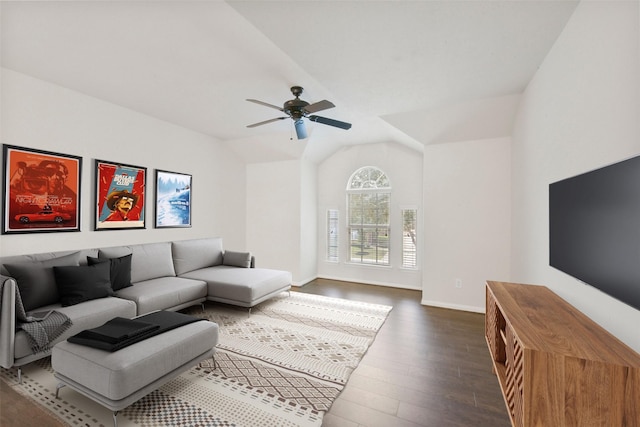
(413, 72)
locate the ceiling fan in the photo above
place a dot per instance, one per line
(297, 109)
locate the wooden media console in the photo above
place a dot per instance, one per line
(556, 367)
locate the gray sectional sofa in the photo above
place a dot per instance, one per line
(92, 286)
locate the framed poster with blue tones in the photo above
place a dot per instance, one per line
(173, 199)
(120, 196)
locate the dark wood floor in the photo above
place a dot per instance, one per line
(16, 410)
(427, 367)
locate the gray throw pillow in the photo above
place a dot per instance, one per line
(37, 282)
(83, 283)
(194, 254)
(237, 259)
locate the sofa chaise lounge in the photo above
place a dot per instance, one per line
(163, 276)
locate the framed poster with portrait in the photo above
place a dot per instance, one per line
(41, 191)
(173, 199)
(120, 196)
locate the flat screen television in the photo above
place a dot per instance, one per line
(594, 229)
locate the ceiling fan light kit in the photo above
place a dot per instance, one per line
(301, 130)
(298, 109)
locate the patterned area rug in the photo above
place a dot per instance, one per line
(282, 365)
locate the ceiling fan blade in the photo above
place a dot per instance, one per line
(330, 122)
(301, 130)
(318, 106)
(255, 101)
(266, 121)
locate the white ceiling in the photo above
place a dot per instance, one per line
(414, 72)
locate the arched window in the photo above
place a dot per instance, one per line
(368, 199)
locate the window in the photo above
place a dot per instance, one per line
(332, 235)
(369, 194)
(409, 238)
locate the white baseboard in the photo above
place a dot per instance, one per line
(301, 283)
(386, 284)
(460, 307)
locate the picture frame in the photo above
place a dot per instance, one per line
(173, 199)
(41, 191)
(120, 196)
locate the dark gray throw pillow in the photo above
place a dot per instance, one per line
(36, 281)
(83, 283)
(120, 269)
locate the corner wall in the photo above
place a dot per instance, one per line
(580, 112)
(467, 205)
(280, 217)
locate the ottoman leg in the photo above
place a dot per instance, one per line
(19, 375)
(58, 387)
(115, 413)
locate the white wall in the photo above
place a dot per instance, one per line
(44, 116)
(403, 167)
(275, 215)
(580, 112)
(308, 221)
(467, 205)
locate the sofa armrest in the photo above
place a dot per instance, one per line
(7, 320)
(253, 262)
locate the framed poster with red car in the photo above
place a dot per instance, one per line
(41, 191)
(120, 196)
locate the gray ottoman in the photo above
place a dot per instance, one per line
(118, 379)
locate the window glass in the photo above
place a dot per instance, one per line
(332, 235)
(409, 238)
(368, 198)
